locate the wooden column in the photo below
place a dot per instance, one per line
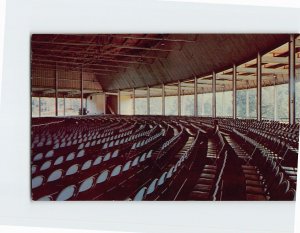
(179, 99)
(56, 91)
(292, 89)
(104, 103)
(163, 101)
(81, 91)
(214, 109)
(195, 97)
(133, 101)
(39, 106)
(119, 102)
(259, 85)
(275, 99)
(234, 76)
(247, 101)
(64, 105)
(148, 100)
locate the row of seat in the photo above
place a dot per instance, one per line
(96, 185)
(190, 159)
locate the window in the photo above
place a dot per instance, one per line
(47, 106)
(206, 104)
(35, 106)
(171, 105)
(187, 105)
(141, 106)
(155, 105)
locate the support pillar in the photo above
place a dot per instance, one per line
(133, 101)
(148, 100)
(119, 102)
(104, 103)
(81, 91)
(179, 98)
(64, 105)
(56, 91)
(39, 106)
(259, 85)
(275, 100)
(223, 99)
(163, 105)
(214, 109)
(195, 97)
(202, 102)
(247, 101)
(234, 106)
(292, 80)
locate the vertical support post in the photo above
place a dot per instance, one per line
(39, 106)
(259, 84)
(195, 97)
(234, 77)
(119, 102)
(179, 98)
(64, 105)
(104, 103)
(275, 99)
(148, 100)
(163, 105)
(81, 91)
(56, 91)
(292, 89)
(133, 101)
(222, 110)
(247, 101)
(214, 109)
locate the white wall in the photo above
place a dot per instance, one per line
(96, 104)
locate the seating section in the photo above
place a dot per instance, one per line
(162, 158)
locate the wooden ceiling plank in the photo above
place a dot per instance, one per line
(97, 45)
(155, 38)
(264, 70)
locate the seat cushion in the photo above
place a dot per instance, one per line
(255, 190)
(249, 167)
(199, 195)
(250, 172)
(205, 181)
(202, 187)
(210, 167)
(256, 197)
(253, 177)
(209, 171)
(253, 182)
(206, 175)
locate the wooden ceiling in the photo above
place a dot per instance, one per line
(122, 61)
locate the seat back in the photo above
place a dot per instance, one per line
(140, 195)
(55, 175)
(67, 193)
(86, 185)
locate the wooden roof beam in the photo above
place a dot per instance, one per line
(167, 39)
(94, 60)
(156, 54)
(264, 70)
(107, 46)
(98, 55)
(46, 66)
